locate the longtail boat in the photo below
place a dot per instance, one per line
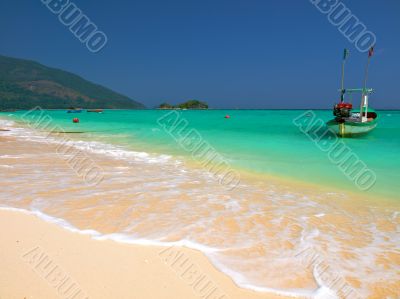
(349, 122)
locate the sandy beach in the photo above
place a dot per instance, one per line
(32, 248)
(199, 150)
(146, 233)
(40, 259)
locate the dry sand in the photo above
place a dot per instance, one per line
(42, 260)
(39, 259)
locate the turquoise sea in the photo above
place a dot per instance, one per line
(293, 200)
(258, 141)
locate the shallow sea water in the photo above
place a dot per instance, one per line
(266, 234)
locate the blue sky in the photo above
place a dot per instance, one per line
(232, 54)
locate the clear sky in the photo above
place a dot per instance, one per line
(232, 54)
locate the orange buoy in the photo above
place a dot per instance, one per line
(227, 116)
(75, 120)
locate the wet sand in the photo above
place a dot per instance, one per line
(99, 269)
(30, 248)
(255, 230)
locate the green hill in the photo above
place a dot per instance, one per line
(26, 84)
(191, 104)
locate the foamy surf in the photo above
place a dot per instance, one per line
(6, 124)
(256, 234)
(320, 293)
(94, 147)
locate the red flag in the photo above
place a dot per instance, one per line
(371, 52)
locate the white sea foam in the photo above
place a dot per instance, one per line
(194, 223)
(6, 124)
(6, 166)
(94, 147)
(320, 293)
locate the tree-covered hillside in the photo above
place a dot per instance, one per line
(25, 84)
(191, 104)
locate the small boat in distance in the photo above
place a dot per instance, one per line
(74, 110)
(349, 122)
(95, 110)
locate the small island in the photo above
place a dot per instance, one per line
(165, 106)
(191, 104)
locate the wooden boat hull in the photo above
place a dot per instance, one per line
(349, 129)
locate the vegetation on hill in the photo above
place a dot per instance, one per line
(26, 84)
(166, 106)
(191, 104)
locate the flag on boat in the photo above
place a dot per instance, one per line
(346, 54)
(371, 52)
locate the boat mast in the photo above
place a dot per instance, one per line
(370, 53)
(364, 100)
(342, 90)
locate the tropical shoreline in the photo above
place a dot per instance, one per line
(295, 182)
(100, 269)
(77, 211)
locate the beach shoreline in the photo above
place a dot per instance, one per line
(288, 182)
(99, 269)
(267, 220)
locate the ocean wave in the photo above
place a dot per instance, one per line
(253, 234)
(6, 124)
(93, 147)
(321, 293)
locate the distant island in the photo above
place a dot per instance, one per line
(191, 104)
(25, 84)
